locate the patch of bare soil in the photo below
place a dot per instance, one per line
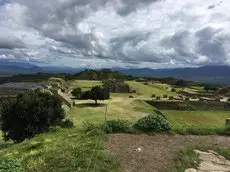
(154, 153)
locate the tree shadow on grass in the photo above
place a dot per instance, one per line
(90, 105)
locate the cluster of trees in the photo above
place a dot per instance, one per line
(31, 113)
(96, 93)
(210, 88)
(103, 74)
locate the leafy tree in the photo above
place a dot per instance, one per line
(210, 88)
(32, 112)
(76, 92)
(182, 83)
(96, 93)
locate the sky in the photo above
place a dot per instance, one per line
(116, 33)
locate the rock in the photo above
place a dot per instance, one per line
(191, 170)
(227, 121)
(139, 149)
(212, 161)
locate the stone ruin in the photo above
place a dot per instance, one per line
(57, 83)
(117, 86)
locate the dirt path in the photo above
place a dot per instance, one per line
(144, 153)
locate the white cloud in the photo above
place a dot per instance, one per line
(148, 33)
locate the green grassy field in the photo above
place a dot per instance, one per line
(197, 121)
(148, 90)
(74, 150)
(84, 84)
(117, 108)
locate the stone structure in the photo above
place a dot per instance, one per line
(57, 83)
(117, 86)
(210, 161)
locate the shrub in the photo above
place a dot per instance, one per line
(194, 97)
(117, 126)
(67, 123)
(153, 123)
(165, 96)
(134, 91)
(10, 165)
(173, 90)
(187, 99)
(76, 92)
(32, 112)
(158, 97)
(171, 97)
(131, 96)
(154, 95)
(146, 83)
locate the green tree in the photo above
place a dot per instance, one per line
(32, 112)
(96, 93)
(210, 88)
(76, 92)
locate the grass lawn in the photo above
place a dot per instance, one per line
(117, 108)
(84, 84)
(72, 149)
(197, 121)
(150, 89)
(62, 150)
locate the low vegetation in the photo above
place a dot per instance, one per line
(153, 123)
(32, 112)
(117, 126)
(64, 143)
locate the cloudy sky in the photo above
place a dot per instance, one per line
(116, 33)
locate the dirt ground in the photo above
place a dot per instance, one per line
(145, 153)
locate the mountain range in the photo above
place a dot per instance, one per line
(210, 74)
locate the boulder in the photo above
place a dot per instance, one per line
(191, 170)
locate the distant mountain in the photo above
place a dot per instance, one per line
(208, 74)
(9, 68)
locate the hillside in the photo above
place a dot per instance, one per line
(209, 74)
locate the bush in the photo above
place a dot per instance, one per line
(146, 83)
(158, 98)
(173, 90)
(153, 123)
(154, 95)
(32, 112)
(67, 123)
(117, 126)
(187, 99)
(171, 97)
(134, 91)
(165, 96)
(10, 165)
(76, 92)
(131, 97)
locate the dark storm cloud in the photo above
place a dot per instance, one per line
(157, 32)
(10, 42)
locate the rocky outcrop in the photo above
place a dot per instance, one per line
(211, 162)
